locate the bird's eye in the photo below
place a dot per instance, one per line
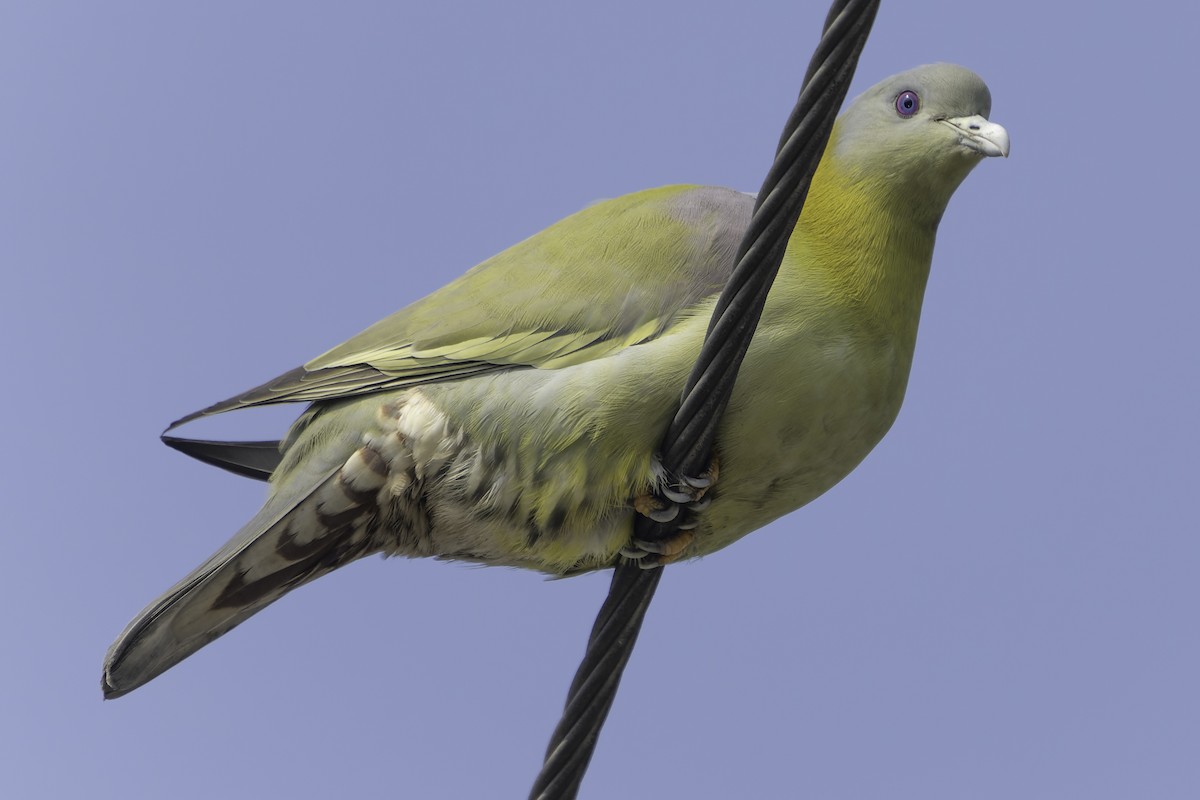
(907, 103)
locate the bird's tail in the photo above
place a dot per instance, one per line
(313, 526)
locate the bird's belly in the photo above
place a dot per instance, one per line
(782, 448)
(531, 481)
(556, 495)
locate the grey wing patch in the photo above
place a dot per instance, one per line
(720, 217)
(717, 219)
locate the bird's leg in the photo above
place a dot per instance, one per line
(672, 497)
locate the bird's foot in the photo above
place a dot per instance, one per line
(649, 554)
(672, 498)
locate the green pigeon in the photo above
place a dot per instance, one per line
(512, 416)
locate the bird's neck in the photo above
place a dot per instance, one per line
(864, 245)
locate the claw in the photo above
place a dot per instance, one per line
(677, 496)
(672, 546)
(665, 514)
(650, 554)
(655, 509)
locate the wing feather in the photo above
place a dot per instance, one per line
(612, 276)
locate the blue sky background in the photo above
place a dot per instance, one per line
(1001, 602)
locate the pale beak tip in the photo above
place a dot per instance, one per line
(981, 135)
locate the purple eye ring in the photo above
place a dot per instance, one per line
(907, 103)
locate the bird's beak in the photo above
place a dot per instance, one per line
(976, 133)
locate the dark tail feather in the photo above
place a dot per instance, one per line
(249, 459)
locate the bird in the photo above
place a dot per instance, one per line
(512, 416)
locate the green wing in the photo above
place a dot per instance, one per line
(609, 277)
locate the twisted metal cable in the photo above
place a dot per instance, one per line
(688, 444)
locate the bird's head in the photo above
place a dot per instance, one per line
(914, 136)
